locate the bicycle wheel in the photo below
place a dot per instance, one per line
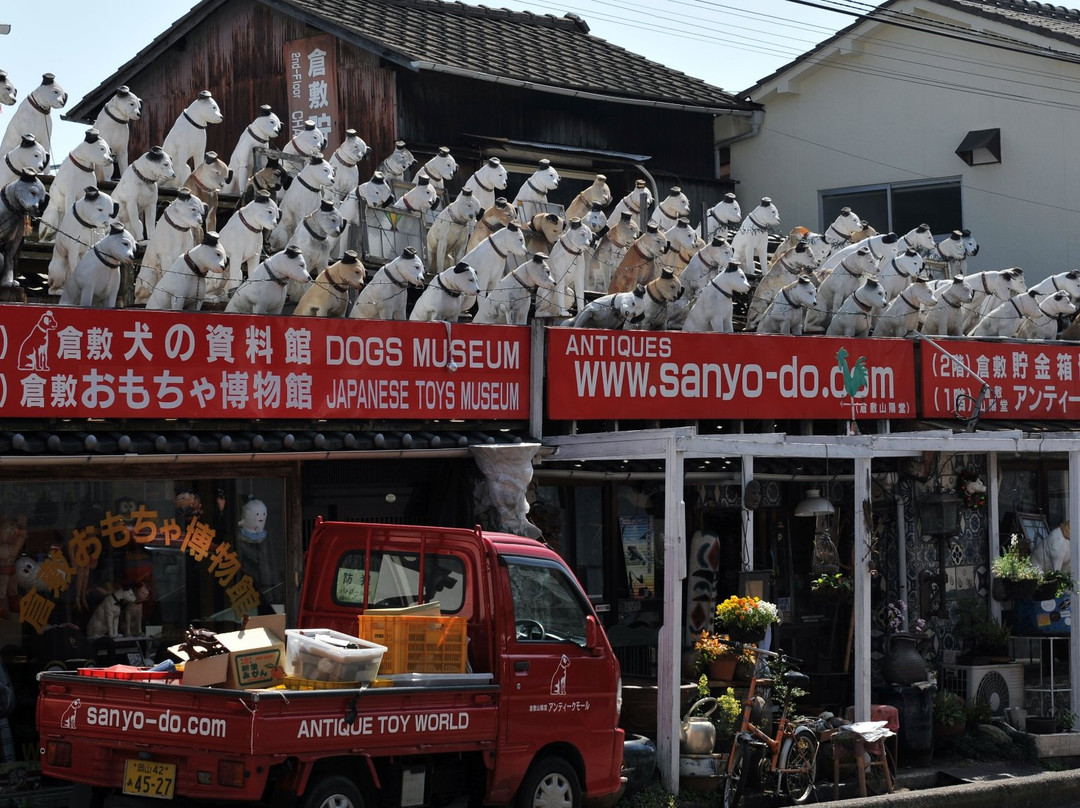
(801, 768)
(735, 783)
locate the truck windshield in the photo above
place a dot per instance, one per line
(395, 581)
(547, 605)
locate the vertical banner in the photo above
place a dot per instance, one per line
(637, 538)
(311, 79)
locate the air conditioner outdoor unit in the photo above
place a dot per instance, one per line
(998, 686)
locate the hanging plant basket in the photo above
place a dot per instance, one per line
(1005, 589)
(742, 634)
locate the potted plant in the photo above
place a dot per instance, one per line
(984, 638)
(949, 714)
(903, 662)
(745, 619)
(835, 587)
(1017, 573)
(1054, 584)
(725, 716)
(716, 657)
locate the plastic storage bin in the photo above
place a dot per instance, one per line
(325, 655)
(418, 643)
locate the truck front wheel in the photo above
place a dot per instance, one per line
(550, 783)
(334, 791)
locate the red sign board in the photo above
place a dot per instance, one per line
(311, 83)
(66, 362)
(1027, 381)
(598, 374)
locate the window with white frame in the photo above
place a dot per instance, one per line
(899, 206)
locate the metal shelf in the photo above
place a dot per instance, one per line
(1050, 694)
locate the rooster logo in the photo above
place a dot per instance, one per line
(855, 379)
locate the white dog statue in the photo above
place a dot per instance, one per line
(8, 93)
(186, 141)
(137, 191)
(329, 294)
(785, 314)
(385, 296)
(345, 160)
(95, 281)
(304, 195)
(439, 169)
(174, 233)
(714, 306)
(397, 163)
(901, 316)
(242, 237)
(671, 209)
(486, 180)
(258, 134)
(33, 115)
(838, 287)
(1044, 325)
(360, 210)
(28, 154)
(20, 198)
(1005, 320)
(567, 263)
(945, 317)
(508, 303)
(489, 258)
(90, 213)
(703, 267)
(313, 236)
(308, 142)
(114, 123)
(449, 235)
(856, 313)
(532, 196)
(638, 200)
(723, 218)
(787, 267)
(445, 294)
(266, 288)
(74, 174)
(751, 241)
(183, 285)
(612, 311)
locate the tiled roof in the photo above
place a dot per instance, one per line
(540, 49)
(1044, 19)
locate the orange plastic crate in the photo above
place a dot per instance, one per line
(417, 643)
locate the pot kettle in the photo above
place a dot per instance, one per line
(697, 735)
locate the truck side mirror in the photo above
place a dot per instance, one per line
(592, 633)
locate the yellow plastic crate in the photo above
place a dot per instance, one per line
(417, 643)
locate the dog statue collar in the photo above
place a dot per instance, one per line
(705, 261)
(569, 249)
(650, 288)
(193, 266)
(517, 278)
(788, 300)
(847, 269)
(442, 286)
(80, 166)
(255, 136)
(712, 283)
(7, 161)
(400, 284)
(435, 175)
(870, 247)
(498, 252)
(899, 271)
(34, 103)
(78, 218)
(956, 303)
(482, 186)
(141, 176)
(313, 188)
(462, 221)
(539, 191)
(120, 121)
(270, 273)
(298, 148)
(341, 158)
(866, 308)
(314, 235)
(105, 259)
(171, 223)
(674, 215)
(339, 287)
(910, 305)
(202, 185)
(246, 223)
(763, 228)
(832, 229)
(192, 121)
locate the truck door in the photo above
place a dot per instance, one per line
(550, 674)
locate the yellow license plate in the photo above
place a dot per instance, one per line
(149, 778)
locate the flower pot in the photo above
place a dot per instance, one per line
(743, 634)
(744, 671)
(722, 669)
(903, 664)
(1005, 589)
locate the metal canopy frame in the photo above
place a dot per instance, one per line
(675, 445)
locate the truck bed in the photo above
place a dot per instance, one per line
(109, 721)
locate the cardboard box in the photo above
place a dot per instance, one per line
(255, 658)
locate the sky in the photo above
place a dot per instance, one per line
(727, 44)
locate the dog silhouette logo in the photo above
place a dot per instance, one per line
(558, 681)
(71, 714)
(34, 351)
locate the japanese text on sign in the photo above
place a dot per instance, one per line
(311, 77)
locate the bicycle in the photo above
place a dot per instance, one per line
(787, 764)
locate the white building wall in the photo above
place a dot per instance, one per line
(894, 107)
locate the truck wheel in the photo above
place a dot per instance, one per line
(334, 791)
(550, 783)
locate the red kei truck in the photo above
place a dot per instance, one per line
(533, 723)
